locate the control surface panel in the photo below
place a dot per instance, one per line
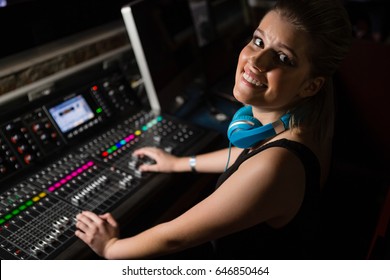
(74, 152)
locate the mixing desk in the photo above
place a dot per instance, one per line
(72, 151)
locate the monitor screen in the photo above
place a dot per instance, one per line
(164, 41)
(71, 113)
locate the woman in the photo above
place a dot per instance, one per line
(266, 203)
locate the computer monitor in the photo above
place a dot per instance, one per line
(165, 45)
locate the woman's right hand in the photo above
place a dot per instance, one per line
(99, 232)
(164, 162)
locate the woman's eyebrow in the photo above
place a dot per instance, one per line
(279, 44)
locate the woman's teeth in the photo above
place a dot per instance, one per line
(251, 80)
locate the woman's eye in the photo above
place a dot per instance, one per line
(258, 42)
(285, 59)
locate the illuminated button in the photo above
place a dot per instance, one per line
(27, 159)
(35, 198)
(105, 153)
(130, 137)
(36, 127)
(22, 207)
(21, 149)
(15, 138)
(42, 194)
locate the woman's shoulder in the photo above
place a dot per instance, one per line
(279, 156)
(279, 178)
(295, 154)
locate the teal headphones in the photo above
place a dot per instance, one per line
(245, 131)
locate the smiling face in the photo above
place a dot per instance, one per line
(273, 69)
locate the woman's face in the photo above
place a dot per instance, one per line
(273, 69)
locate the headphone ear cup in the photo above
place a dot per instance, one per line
(243, 123)
(242, 120)
(245, 131)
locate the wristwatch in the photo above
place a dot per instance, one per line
(192, 163)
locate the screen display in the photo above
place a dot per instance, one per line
(168, 38)
(71, 113)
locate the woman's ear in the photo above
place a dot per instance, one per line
(312, 86)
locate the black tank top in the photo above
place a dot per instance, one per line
(299, 238)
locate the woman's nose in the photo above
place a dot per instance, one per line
(262, 60)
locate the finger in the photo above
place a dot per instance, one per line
(90, 216)
(82, 226)
(81, 218)
(148, 168)
(84, 237)
(151, 152)
(140, 151)
(110, 219)
(81, 235)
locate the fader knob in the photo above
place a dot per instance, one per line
(65, 220)
(75, 200)
(42, 244)
(132, 164)
(138, 173)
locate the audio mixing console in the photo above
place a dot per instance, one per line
(73, 152)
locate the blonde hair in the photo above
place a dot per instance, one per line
(327, 25)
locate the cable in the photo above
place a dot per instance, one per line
(230, 149)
